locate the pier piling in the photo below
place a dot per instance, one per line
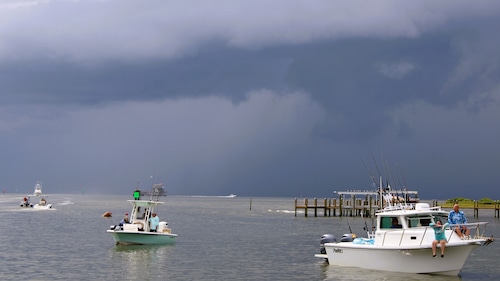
(365, 204)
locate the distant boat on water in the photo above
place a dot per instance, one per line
(216, 196)
(157, 190)
(38, 189)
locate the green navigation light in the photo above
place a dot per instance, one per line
(137, 194)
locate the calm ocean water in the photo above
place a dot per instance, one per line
(219, 239)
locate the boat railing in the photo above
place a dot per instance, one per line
(477, 231)
(397, 207)
(406, 206)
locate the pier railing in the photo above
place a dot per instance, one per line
(366, 205)
(338, 207)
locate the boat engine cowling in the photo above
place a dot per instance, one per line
(326, 238)
(348, 237)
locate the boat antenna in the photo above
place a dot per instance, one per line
(152, 189)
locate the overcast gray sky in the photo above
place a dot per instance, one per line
(256, 98)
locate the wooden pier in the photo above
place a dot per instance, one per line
(360, 203)
(366, 203)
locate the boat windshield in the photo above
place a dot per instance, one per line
(442, 218)
(425, 220)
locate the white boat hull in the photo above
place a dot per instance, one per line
(142, 237)
(409, 260)
(42, 207)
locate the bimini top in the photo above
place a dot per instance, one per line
(144, 203)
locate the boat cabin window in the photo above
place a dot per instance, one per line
(395, 223)
(419, 221)
(390, 222)
(413, 222)
(425, 222)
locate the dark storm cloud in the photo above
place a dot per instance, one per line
(264, 98)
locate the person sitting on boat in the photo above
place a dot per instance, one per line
(440, 237)
(124, 220)
(457, 218)
(153, 223)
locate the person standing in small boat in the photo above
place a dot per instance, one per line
(153, 223)
(440, 237)
(458, 218)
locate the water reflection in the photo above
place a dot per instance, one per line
(333, 272)
(140, 261)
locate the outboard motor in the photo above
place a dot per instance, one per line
(348, 237)
(326, 238)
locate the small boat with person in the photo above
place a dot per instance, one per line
(143, 227)
(42, 204)
(401, 241)
(26, 203)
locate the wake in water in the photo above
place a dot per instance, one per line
(65, 203)
(285, 211)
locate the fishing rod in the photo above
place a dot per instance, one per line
(348, 224)
(388, 180)
(376, 166)
(372, 177)
(401, 187)
(405, 190)
(398, 170)
(366, 228)
(391, 177)
(368, 232)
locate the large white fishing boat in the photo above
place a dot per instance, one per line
(38, 189)
(138, 229)
(401, 241)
